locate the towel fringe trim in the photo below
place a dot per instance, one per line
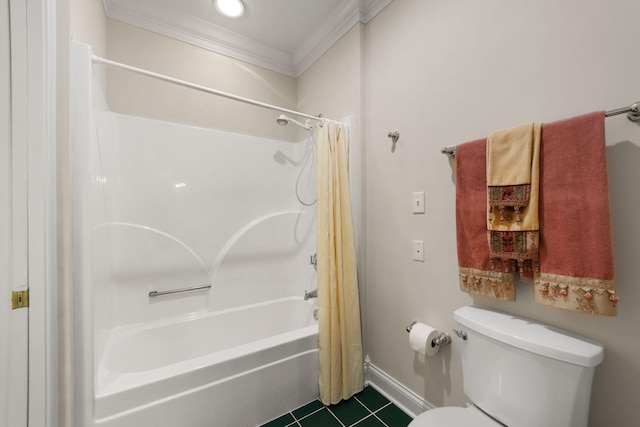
(594, 296)
(493, 284)
(585, 284)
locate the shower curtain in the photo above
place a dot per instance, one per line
(339, 334)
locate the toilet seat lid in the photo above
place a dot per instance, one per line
(453, 417)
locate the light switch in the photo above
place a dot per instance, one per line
(418, 250)
(418, 202)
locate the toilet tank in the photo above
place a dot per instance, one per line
(524, 373)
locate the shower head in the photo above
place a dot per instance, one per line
(284, 120)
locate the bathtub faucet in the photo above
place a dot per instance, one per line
(312, 294)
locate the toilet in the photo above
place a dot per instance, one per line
(519, 373)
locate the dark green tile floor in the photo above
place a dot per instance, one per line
(366, 409)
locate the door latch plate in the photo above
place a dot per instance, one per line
(19, 299)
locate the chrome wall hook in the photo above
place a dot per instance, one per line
(395, 135)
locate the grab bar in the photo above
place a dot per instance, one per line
(175, 291)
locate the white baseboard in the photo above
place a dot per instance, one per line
(400, 395)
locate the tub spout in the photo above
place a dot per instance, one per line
(312, 294)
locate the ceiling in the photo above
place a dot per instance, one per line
(285, 36)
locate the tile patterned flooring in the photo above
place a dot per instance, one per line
(366, 409)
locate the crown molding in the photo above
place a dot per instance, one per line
(370, 8)
(190, 29)
(196, 31)
(326, 35)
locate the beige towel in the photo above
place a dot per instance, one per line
(513, 159)
(513, 171)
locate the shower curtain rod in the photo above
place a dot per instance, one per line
(634, 116)
(99, 60)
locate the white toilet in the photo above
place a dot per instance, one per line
(519, 373)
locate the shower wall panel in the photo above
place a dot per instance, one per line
(178, 206)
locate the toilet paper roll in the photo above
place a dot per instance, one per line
(421, 339)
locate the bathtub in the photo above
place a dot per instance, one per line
(231, 368)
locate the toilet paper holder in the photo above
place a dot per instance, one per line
(442, 339)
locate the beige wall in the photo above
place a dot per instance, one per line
(443, 73)
(133, 94)
(332, 85)
(89, 24)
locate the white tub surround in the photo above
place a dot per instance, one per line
(222, 363)
(160, 206)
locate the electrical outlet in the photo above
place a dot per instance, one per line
(418, 250)
(418, 202)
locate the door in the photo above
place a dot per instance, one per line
(13, 227)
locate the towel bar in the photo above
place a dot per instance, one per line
(633, 114)
(175, 291)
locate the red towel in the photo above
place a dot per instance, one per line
(475, 273)
(576, 257)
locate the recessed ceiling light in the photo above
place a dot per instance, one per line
(230, 8)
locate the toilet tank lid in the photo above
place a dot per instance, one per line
(532, 336)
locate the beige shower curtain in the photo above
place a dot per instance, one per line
(339, 335)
